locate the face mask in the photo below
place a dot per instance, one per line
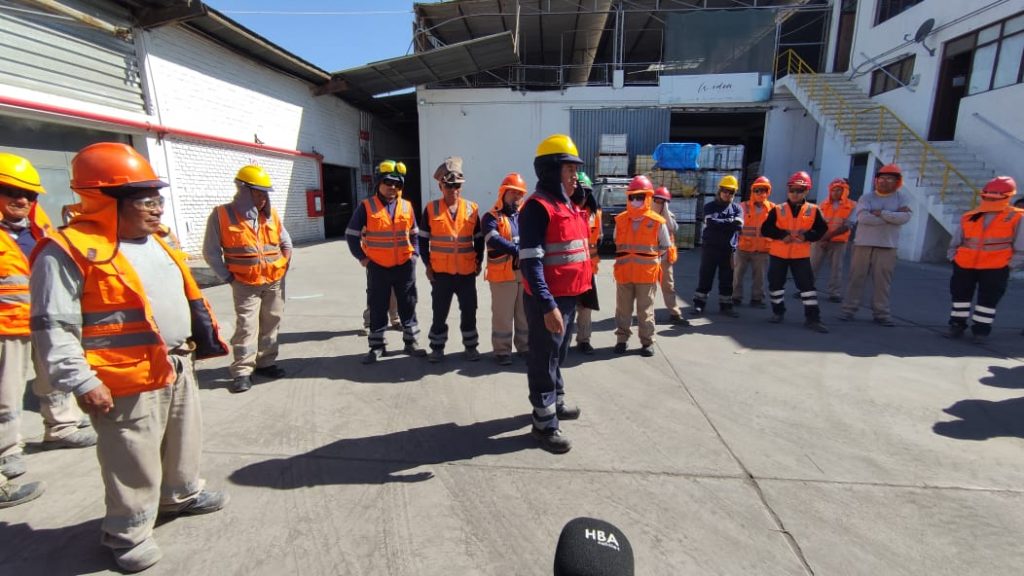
(636, 203)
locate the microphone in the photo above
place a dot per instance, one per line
(592, 547)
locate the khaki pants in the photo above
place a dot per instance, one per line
(508, 317)
(149, 447)
(833, 253)
(758, 264)
(584, 322)
(625, 296)
(880, 264)
(668, 287)
(258, 311)
(392, 312)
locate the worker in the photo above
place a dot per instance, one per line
(879, 217)
(382, 235)
(247, 245)
(500, 226)
(793, 226)
(752, 248)
(988, 244)
(453, 251)
(660, 206)
(837, 210)
(641, 242)
(723, 221)
(555, 262)
(583, 198)
(117, 319)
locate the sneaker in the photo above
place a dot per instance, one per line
(647, 351)
(585, 348)
(272, 372)
(729, 312)
(205, 502)
(552, 440)
(14, 494)
(816, 326)
(955, 331)
(80, 438)
(373, 355)
(413, 349)
(435, 356)
(241, 384)
(567, 412)
(139, 557)
(887, 322)
(12, 466)
(846, 316)
(678, 320)
(757, 304)
(835, 299)
(775, 319)
(620, 348)
(472, 354)
(503, 359)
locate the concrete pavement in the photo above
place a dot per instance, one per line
(741, 448)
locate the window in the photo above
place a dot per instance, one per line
(892, 76)
(998, 53)
(889, 8)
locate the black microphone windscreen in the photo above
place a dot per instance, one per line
(591, 547)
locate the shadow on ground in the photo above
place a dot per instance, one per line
(984, 419)
(53, 552)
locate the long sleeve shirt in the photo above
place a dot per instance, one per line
(425, 232)
(213, 253)
(497, 245)
(882, 231)
(533, 227)
(1016, 261)
(354, 232)
(771, 229)
(722, 224)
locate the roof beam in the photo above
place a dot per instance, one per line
(149, 18)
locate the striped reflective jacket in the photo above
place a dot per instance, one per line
(252, 256)
(14, 271)
(987, 247)
(637, 253)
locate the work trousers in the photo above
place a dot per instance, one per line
(584, 323)
(392, 312)
(258, 312)
(990, 284)
(149, 448)
(443, 288)
(643, 296)
(508, 317)
(831, 252)
(59, 410)
(714, 259)
(381, 283)
(758, 264)
(547, 353)
(879, 263)
(803, 276)
(668, 288)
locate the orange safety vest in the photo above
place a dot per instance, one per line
(119, 335)
(594, 225)
(754, 216)
(836, 216)
(385, 239)
(252, 256)
(637, 254)
(499, 268)
(988, 247)
(451, 242)
(14, 272)
(785, 221)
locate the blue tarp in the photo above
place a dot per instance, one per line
(677, 156)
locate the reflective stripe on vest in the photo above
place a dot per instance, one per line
(499, 266)
(14, 276)
(568, 271)
(987, 247)
(754, 215)
(637, 253)
(837, 216)
(785, 221)
(252, 256)
(385, 238)
(451, 239)
(594, 223)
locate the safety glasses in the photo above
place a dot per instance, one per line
(636, 196)
(453, 185)
(391, 167)
(150, 204)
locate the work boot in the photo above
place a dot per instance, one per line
(776, 319)
(567, 411)
(472, 354)
(436, 355)
(241, 384)
(620, 348)
(413, 349)
(80, 438)
(955, 331)
(816, 326)
(552, 440)
(846, 316)
(139, 557)
(757, 304)
(729, 312)
(503, 359)
(647, 351)
(205, 502)
(887, 322)
(678, 320)
(12, 466)
(585, 348)
(373, 355)
(696, 311)
(14, 494)
(977, 338)
(271, 372)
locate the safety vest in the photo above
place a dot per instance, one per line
(566, 260)
(785, 221)
(754, 216)
(499, 266)
(987, 247)
(637, 254)
(837, 216)
(121, 340)
(386, 239)
(594, 226)
(14, 272)
(451, 242)
(252, 256)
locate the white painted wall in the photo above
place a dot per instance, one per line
(833, 162)
(790, 144)
(1001, 150)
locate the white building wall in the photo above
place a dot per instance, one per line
(1001, 148)
(790, 144)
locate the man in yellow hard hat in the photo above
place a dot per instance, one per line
(22, 224)
(723, 220)
(247, 245)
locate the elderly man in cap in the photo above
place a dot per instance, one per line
(452, 246)
(247, 245)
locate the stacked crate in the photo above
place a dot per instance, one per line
(613, 156)
(683, 187)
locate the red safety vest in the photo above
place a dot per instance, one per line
(567, 270)
(987, 247)
(785, 221)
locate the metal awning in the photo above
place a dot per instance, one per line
(437, 65)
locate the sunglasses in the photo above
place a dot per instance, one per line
(760, 190)
(798, 190)
(727, 191)
(453, 185)
(636, 196)
(391, 183)
(148, 204)
(659, 200)
(390, 167)
(16, 194)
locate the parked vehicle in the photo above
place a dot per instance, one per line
(611, 196)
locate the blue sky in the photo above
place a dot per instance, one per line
(331, 34)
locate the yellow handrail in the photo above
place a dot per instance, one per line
(816, 87)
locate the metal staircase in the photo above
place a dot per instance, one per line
(946, 174)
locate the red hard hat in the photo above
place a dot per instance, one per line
(663, 193)
(640, 184)
(112, 164)
(999, 187)
(512, 181)
(890, 169)
(761, 182)
(840, 182)
(800, 178)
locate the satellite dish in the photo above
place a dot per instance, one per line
(923, 31)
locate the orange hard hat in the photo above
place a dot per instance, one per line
(999, 188)
(112, 165)
(890, 169)
(512, 181)
(640, 184)
(761, 182)
(663, 193)
(839, 182)
(800, 178)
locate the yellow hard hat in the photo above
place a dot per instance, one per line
(18, 172)
(561, 145)
(255, 177)
(729, 182)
